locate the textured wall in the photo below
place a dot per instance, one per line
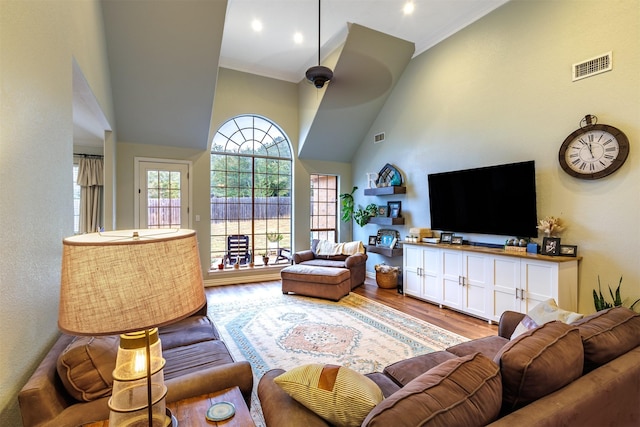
(38, 41)
(500, 91)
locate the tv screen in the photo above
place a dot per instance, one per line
(497, 200)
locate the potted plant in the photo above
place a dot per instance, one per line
(348, 204)
(274, 238)
(362, 215)
(602, 304)
(265, 258)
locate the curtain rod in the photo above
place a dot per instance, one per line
(88, 155)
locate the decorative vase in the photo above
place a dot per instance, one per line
(265, 260)
(221, 266)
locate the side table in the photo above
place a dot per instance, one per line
(191, 412)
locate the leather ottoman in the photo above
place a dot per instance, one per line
(313, 281)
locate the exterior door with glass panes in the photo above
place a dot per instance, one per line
(163, 195)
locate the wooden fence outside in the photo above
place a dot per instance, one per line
(247, 208)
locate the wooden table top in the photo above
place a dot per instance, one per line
(191, 412)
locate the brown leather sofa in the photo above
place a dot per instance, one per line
(356, 264)
(583, 374)
(197, 362)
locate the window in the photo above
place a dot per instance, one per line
(251, 188)
(324, 207)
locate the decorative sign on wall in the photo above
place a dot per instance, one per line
(388, 176)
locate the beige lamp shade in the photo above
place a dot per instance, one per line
(113, 282)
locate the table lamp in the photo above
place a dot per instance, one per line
(131, 282)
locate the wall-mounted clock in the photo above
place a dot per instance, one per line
(593, 151)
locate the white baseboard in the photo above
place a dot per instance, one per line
(242, 275)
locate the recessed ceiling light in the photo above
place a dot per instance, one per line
(408, 8)
(256, 25)
(298, 38)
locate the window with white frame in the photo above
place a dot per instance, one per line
(251, 189)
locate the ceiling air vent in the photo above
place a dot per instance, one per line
(593, 66)
(378, 138)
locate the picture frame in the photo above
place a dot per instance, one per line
(383, 211)
(446, 238)
(456, 240)
(568, 250)
(373, 240)
(550, 246)
(386, 236)
(394, 209)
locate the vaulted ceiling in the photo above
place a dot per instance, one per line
(164, 56)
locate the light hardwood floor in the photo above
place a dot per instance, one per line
(453, 321)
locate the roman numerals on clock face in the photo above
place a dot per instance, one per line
(592, 152)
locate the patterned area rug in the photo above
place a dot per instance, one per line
(285, 331)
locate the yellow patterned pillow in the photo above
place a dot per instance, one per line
(339, 395)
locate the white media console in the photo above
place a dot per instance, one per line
(484, 282)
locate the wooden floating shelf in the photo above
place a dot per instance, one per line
(385, 191)
(385, 220)
(385, 251)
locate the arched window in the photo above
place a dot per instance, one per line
(250, 192)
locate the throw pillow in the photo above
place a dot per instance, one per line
(542, 313)
(464, 391)
(539, 362)
(86, 367)
(341, 396)
(608, 334)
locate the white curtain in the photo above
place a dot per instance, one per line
(90, 180)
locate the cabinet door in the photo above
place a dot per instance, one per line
(432, 288)
(539, 282)
(476, 285)
(452, 276)
(506, 285)
(412, 280)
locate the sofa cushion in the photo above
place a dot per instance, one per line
(464, 391)
(489, 346)
(608, 334)
(86, 367)
(407, 370)
(339, 395)
(192, 330)
(320, 262)
(194, 358)
(386, 384)
(539, 362)
(542, 313)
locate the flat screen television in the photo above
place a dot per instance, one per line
(498, 200)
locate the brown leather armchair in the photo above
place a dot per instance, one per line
(357, 263)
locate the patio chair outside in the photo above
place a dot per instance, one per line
(238, 249)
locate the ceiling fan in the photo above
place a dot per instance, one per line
(318, 74)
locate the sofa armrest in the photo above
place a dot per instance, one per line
(43, 396)
(280, 409)
(355, 259)
(605, 396)
(302, 256)
(210, 380)
(508, 322)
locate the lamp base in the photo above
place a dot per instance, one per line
(172, 421)
(169, 421)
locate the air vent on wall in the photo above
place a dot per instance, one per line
(593, 66)
(378, 138)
